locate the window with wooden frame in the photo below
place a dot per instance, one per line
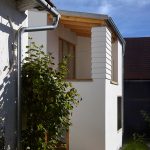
(114, 72)
(67, 49)
(119, 112)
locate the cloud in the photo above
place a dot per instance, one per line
(136, 3)
(105, 8)
(131, 16)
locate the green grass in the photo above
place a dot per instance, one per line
(135, 146)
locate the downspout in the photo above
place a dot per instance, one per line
(56, 17)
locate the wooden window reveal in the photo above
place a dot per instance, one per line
(119, 112)
(68, 49)
(114, 72)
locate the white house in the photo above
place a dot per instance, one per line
(95, 69)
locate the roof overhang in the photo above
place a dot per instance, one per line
(24, 5)
(82, 23)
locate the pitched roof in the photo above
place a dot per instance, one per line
(137, 58)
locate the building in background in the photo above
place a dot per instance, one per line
(136, 85)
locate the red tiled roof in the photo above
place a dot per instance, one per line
(137, 58)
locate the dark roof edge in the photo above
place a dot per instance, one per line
(111, 22)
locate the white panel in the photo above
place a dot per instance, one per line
(98, 49)
(99, 76)
(88, 130)
(39, 37)
(98, 65)
(108, 66)
(108, 56)
(108, 76)
(108, 71)
(108, 42)
(108, 46)
(113, 137)
(108, 61)
(99, 38)
(4, 53)
(108, 51)
(99, 70)
(98, 54)
(108, 32)
(83, 58)
(99, 60)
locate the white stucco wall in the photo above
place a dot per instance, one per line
(95, 119)
(38, 19)
(88, 130)
(83, 58)
(102, 50)
(82, 50)
(8, 72)
(53, 40)
(50, 40)
(113, 136)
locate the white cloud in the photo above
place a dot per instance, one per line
(134, 2)
(105, 8)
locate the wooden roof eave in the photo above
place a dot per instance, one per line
(81, 25)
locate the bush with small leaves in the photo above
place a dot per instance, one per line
(47, 100)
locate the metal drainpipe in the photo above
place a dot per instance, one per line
(56, 17)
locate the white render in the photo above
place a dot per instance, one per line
(8, 72)
(95, 119)
(38, 19)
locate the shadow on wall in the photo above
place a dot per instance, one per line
(8, 111)
(8, 78)
(8, 93)
(8, 9)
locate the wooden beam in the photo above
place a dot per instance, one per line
(84, 34)
(77, 27)
(81, 19)
(81, 31)
(79, 23)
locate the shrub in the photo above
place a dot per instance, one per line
(48, 100)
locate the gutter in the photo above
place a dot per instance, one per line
(56, 16)
(111, 23)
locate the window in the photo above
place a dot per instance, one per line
(119, 112)
(68, 49)
(114, 73)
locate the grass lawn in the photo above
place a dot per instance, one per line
(135, 146)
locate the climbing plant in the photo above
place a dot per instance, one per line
(47, 100)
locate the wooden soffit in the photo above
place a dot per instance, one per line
(81, 25)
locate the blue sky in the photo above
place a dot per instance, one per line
(132, 17)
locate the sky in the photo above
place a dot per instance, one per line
(132, 17)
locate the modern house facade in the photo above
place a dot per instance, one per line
(95, 69)
(136, 85)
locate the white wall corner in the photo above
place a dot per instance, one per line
(101, 53)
